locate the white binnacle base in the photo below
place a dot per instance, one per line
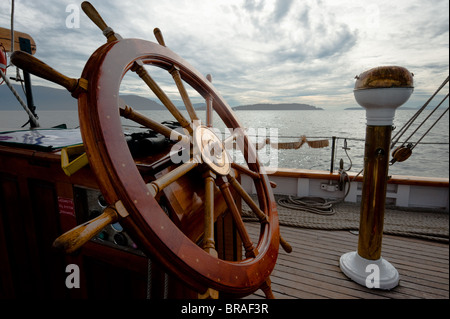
(381, 103)
(379, 273)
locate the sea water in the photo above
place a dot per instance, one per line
(430, 157)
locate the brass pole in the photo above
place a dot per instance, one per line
(376, 166)
(380, 91)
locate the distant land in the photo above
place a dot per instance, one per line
(44, 98)
(47, 98)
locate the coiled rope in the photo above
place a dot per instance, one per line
(316, 205)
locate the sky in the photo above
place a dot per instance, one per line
(257, 51)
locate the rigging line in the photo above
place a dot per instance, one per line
(430, 127)
(12, 49)
(12, 26)
(414, 117)
(25, 107)
(423, 122)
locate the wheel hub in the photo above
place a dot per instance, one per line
(211, 149)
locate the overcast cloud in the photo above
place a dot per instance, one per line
(259, 50)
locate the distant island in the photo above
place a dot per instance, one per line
(278, 106)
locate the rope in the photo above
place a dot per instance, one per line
(315, 205)
(405, 127)
(435, 122)
(423, 122)
(25, 107)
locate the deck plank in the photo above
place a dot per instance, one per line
(312, 270)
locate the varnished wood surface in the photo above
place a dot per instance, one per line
(5, 39)
(36, 164)
(312, 270)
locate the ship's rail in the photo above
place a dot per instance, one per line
(335, 143)
(402, 190)
(336, 139)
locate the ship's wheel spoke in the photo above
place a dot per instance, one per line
(159, 184)
(247, 198)
(208, 237)
(209, 106)
(245, 170)
(208, 243)
(140, 70)
(262, 217)
(266, 287)
(250, 250)
(183, 93)
(174, 71)
(129, 113)
(138, 66)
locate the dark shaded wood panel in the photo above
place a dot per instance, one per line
(15, 276)
(29, 224)
(50, 264)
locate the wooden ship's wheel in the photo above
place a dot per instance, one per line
(173, 227)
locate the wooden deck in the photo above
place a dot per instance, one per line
(312, 270)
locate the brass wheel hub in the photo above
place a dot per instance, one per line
(213, 154)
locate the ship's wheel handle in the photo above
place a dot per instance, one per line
(36, 67)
